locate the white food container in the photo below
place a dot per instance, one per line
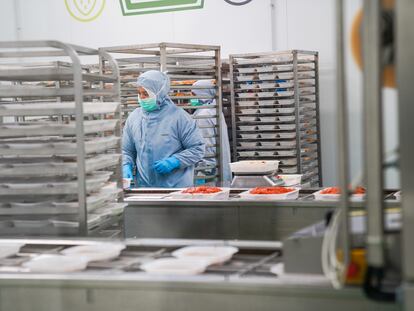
(268, 144)
(249, 136)
(251, 167)
(248, 144)
(286, 127)
(266, 127)
(291, 180)
(212, 254)
(246, 103)
(335, 197)
(247, 153)
(268, 135)
(176, 266)
(97, 252)
(56, 264)
(286, 102)
(293, 195)
(266, 94)
(247, 127)
(180, 195)
(9, 249)
(268, 119)
(247, 119)
(248, 111)
(267, 110)
(397, 195)
(266, 153)
(246, 95)
(126, 183)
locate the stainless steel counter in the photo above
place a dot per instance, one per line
(114, 289)
(227, 219)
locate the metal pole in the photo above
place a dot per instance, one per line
(371, 35)
(297, 113)
(405, 78)
(342, 127)
(318, 122)
(233, 109)
(219, 113)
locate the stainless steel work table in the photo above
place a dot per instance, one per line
(112, 289)
(228, 219)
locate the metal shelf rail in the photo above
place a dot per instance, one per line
(275, 111)
(60, 147)
(185, 64)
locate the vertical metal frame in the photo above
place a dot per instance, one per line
(318, 119)
(220, 116)
(342, 134)
(297, 111)
(405, 78)
(233, 109)
(372, 98)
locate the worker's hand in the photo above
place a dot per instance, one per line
(127, 171)
(166, 166)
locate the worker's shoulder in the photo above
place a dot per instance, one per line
(179, 112)
(136, 113)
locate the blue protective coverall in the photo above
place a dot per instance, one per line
(227, 176)
(157, 135)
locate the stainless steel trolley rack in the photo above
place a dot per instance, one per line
(275, 110)
(185, 64)
(60, 148)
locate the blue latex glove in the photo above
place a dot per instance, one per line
(127, 171)
(199, 182)
(166, 166)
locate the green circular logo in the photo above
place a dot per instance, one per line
(85, 10)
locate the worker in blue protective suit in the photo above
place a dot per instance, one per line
(206, 88)
(160, 139)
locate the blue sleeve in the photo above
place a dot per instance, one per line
(129, 152)
(192, 141)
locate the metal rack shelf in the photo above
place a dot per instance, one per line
(185, 64)
(275, 111)
(60, 150)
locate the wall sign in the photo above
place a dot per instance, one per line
(85, 10)
(89, 10)
(138, 7)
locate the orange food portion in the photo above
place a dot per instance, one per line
(331, 190)
(202, 190)
(336, 190)
(271, 190)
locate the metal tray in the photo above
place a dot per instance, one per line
(93, 183)
(55, 146)
(49, 129)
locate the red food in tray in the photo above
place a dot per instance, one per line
(202, 190)
(271, 190)
(336, 190)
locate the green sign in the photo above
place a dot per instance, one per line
(137, 7)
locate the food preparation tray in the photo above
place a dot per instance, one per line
(271, 197)
(180, 195)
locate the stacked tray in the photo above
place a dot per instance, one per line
(276, 111)
(185, 64)
(60, 144)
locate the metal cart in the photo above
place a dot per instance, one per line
(185, 64)
(275, 111)
(60, 149)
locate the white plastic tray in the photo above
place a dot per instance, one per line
(56, 264)
(335, 197)
(98, 252)
(176, 266)
(9, 249)
(222, 195)
(249, 167)
(211, 254)
(272, 197)
(292, 179)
